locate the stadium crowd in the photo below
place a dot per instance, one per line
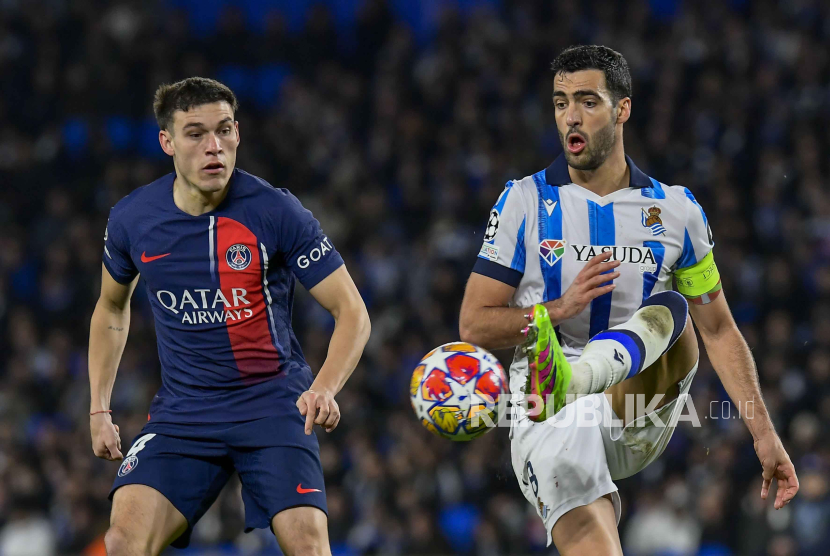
(397, 123)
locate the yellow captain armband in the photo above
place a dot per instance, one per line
(699, 280)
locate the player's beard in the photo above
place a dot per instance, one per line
(597, 149)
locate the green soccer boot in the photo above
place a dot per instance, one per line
(549, 372)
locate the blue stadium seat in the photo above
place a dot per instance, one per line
(344, 13)
(120, 132)
(714, 549)
(75, 135)
(294, 12)
(240, 79)
(148, 138)
(458, 523)
(424, 16)
(342, 549)
(269, 81)
(204, 14)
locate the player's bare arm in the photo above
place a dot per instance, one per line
(338, 294)
(732, 360)
(107, 337)
(487, 321)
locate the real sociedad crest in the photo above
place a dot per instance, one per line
(238, 256)
(652, 221)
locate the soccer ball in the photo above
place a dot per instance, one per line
(459, 391)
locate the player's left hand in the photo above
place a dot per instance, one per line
(776, 463)
(319, 408)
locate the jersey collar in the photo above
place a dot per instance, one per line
(557, 173)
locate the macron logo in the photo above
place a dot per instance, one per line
(550, 205)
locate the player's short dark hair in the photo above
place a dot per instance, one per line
(187, 93)
(610, 62)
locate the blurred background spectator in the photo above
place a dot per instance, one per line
(398, 122)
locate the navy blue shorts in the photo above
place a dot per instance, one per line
(189, 465)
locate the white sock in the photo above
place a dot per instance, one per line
(624, 350)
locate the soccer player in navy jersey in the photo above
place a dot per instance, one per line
(219, 250)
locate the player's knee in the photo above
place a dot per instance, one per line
(307, 543)
(309, 548)
(590, 525)
(119, 541)
(678, 308)
(584, 521)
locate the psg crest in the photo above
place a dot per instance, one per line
(129, 463)
(238, 256)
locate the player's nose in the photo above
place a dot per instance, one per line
(574, 116)
(213, 144)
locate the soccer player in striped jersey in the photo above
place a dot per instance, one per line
(576, 269)
(219, 250)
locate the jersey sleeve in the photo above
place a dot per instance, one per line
(697, 239)
(696, 273)
(502, 256)
(117, 259)
(306, 249)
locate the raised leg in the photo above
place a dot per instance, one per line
(661, 377)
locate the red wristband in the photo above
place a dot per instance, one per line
(102, 411)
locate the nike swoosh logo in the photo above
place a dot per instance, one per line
(550, 206)
(146, 259)
(302, 490)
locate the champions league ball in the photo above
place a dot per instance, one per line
(459, 391)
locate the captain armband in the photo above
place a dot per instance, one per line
(699, 283)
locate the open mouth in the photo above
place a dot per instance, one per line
(214, 167)
(576, 143)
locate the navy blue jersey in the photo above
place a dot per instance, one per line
(221, 286)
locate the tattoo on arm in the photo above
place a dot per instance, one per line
(116, 328)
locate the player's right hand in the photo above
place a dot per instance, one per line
(586, 287)
(106, 442)
(777, 466)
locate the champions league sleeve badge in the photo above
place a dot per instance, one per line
(492, 226)
(238, 256)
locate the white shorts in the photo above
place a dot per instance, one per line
(573, 459)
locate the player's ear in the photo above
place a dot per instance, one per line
(166, 142)
(236, 125)
(623, 110)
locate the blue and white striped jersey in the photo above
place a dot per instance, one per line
(544, 228)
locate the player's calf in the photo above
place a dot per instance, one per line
(625, 350)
